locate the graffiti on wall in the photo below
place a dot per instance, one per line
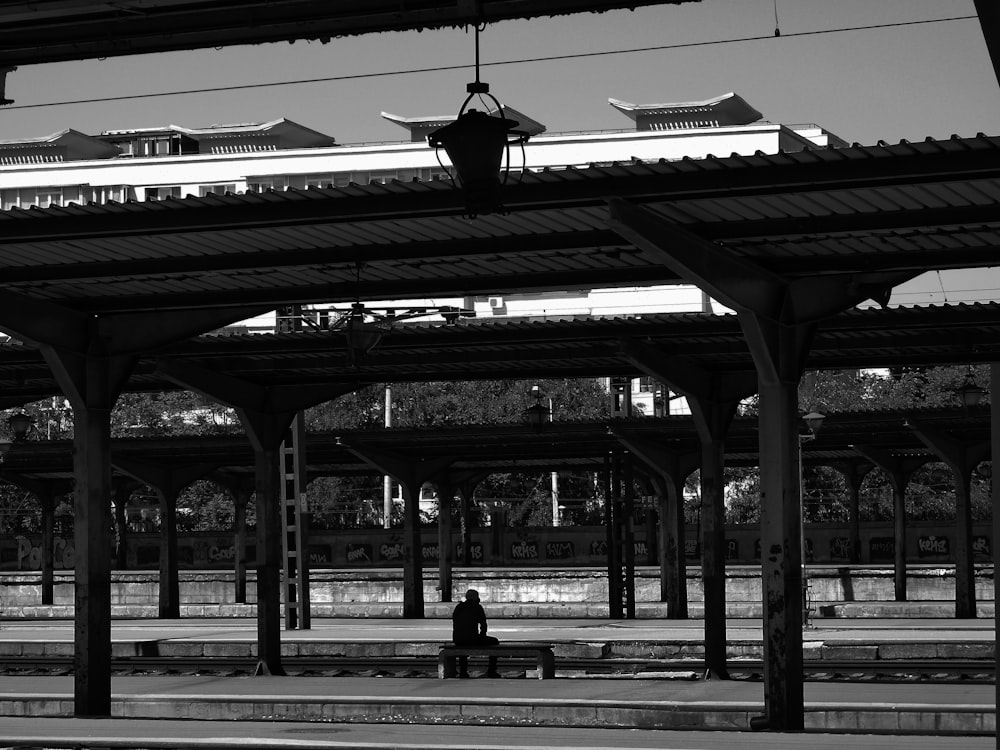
(29, 556)
(556, 546)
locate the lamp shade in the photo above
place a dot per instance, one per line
(814, 420)
(19, 424)
(970, 393)
(475, 143)
(362, 337)
(537, 415)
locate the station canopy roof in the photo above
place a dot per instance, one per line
(567, 446)
(842, 212)
(846, 213)
(47, 31)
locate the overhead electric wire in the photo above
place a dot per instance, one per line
(441, 68)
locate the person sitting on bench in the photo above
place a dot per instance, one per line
(469, 629)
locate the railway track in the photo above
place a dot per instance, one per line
(902, 670)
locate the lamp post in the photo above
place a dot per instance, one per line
(813, 421)
(537, 415)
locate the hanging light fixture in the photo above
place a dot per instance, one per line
(362, 331)
(20, 424)
(362, 335)
(364, 328)
(970, 393)
(537, 414)
(478, 144)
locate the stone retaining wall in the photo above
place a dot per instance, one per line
(333, 590)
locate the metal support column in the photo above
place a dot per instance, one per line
(611, 537)
(627, 527)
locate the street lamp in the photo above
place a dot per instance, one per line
(813, 421)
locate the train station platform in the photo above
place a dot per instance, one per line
(24, 732)
(651, 702)
(832, 639)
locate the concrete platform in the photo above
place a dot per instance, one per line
(267, 735)
(960, 708)
(636, 704)
(583, 638)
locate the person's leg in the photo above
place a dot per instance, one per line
(491, 670)
(463, 666)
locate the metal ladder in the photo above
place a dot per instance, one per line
(295, 583)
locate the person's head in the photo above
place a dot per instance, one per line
(472, 595)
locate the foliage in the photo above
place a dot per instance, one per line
(204, 506)
(451, 404)
(20, 512)
(356, 502)
(170, 413)
(742, 495)
(831, 391)
(930, 494)
(346, 502)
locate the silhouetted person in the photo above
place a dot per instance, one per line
(469, 629)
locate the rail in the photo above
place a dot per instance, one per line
(896, 670)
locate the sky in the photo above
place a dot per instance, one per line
(908, 82)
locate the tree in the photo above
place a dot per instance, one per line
(450, 404)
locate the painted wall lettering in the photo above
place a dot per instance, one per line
(840, 548)
(524, 551)
(881, 548)
(392, 551)
(359, 553)
(29, 556)
(981, 546)
(932, 546)
(558, 550)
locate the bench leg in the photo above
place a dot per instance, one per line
(446, 667)
(546, 665)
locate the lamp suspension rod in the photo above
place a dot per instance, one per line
(477, 52)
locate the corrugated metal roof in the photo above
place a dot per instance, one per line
(521, 349)
(32, 33)
(931, 204)
(513, 446)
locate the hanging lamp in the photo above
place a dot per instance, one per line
(478, 143)
(362, 330)
(970, 393)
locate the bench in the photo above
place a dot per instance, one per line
(545, 661)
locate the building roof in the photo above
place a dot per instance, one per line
(285, 133)
(33, 33)
(728, 109)
(421, 127)
(517, 348)
(66, 145)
